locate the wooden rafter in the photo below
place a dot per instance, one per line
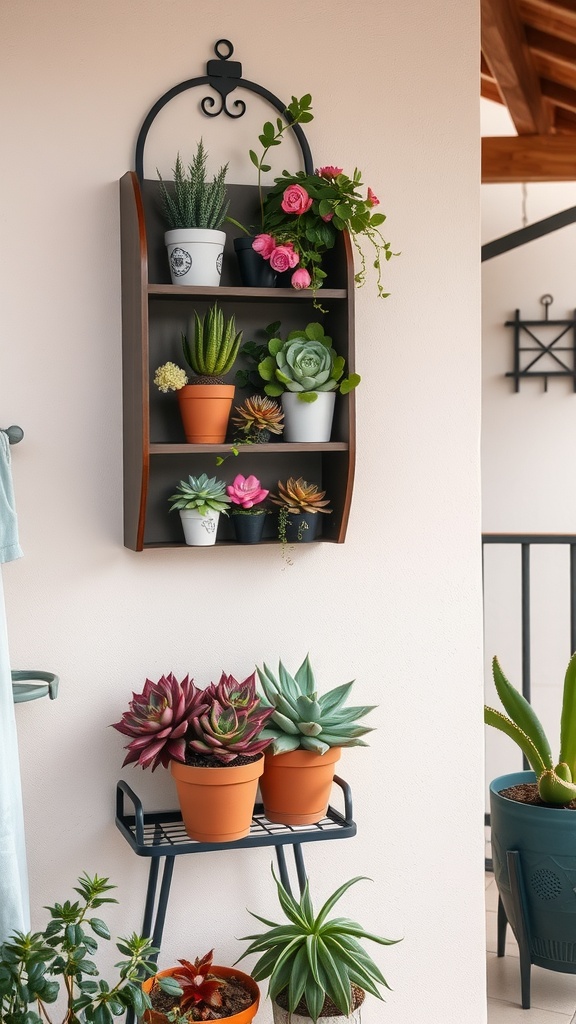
(508, 57)
(529, 158)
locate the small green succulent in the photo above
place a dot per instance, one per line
(195, 202)
(556, 783)
(305, 363)
(214, 349)
(314, 957)
(302, 719)
(202, 494)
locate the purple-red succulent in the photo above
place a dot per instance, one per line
(158, 720)
(198, 986)
(233, 722)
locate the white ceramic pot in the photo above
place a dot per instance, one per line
(199, 531)
(282, 1016)
(195, 255)
(308, 421)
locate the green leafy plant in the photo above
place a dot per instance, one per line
(305, 364)
(313, 958)
(32, 963)
(556, 783)
(202, 494)
(214, 349)
(253, 352)
(303, 719)
(195, 202)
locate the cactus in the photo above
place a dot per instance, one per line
(195, 202)
(302, 719)
(215, 347)
(556, 783)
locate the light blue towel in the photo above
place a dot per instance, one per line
(14, 906)
(9, 546)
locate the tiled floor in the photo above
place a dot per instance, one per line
(553, 996)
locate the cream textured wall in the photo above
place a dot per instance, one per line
(528, 441)
(398, 606)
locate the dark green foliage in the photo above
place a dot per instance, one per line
(30, 964)
(195, 202)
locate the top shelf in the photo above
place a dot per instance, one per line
(242, 294)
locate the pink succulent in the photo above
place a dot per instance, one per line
(371, 199)
(301, 278)
(246, 491)
(329, 171)
(284, 257)
(264, 244)
(296, 200)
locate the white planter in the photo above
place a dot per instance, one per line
(308, 421)
(199, 531)
(284, 1017)
(195, 255)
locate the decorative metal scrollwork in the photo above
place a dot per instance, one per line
(224, 76)
(536, 357)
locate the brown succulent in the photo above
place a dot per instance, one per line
(300, 496)
(259, 414)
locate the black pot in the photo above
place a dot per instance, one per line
(248, 528)
(302, 527)
(255, 272)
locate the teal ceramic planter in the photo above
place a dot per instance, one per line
(542, 910)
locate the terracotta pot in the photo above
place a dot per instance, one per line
(217, 803)
(244, 1017)
(205, 411)
(296, 787)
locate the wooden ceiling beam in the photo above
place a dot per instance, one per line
(507, 159)
(505, 49)
(561, 95)
(551, 47)
(490, 91)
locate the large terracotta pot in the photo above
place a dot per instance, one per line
(217, 803)
(296, 787)
(244, 1017)
(205, 411)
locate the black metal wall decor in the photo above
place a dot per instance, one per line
(224, 76)
(536, 357)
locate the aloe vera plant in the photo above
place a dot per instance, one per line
(303, 719)
(213, 351)
(556, 782)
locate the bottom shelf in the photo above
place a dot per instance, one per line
(162, 833)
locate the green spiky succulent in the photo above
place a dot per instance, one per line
(202, 494)
(195, 202)
(313, 957)
(305, 364)
(214, 349)
(302, 719)
(556, 783)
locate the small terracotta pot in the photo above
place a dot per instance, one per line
(296, 787)
(205, 411)
(244, 1017)
(217, 803)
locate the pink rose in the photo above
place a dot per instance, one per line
(329, 171)
(283, 258)
(371, 199)
(301, 278)
(296, 200)
(264, 244)
(327, 217)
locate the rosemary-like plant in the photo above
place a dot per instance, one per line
(195, 202)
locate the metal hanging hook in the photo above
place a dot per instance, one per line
(15, 434)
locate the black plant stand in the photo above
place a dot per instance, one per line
(161, 835)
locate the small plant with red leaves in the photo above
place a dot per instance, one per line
(198, 990)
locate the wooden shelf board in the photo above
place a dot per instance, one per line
(241, 294)
(253, 449)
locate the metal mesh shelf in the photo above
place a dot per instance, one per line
(162, 833)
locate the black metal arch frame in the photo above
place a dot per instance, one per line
(223, 75)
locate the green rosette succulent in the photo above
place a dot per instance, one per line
(305, 363)
(302, 719)
(202, 494)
